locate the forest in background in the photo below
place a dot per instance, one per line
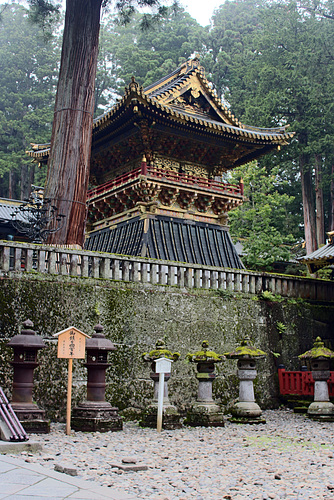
(271, 62)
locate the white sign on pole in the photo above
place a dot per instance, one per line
(162, 366)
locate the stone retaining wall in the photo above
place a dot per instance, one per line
(134, 317)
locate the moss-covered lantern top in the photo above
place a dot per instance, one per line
(245, 351)
(160, 351)
(318, 351)
(205, 356)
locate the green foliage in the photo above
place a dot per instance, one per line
(281, 327)
(326, 273)
(263, 223)
(45, 14)
(274, 63)
(225, 294)
(126, 51)
(28, 78)
(267, 295)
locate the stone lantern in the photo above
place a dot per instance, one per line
(205, 411)
(171, 417)
(246, 410)
(96, 414)
(319, 356)
(25, 347)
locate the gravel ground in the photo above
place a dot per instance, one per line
(289, 457)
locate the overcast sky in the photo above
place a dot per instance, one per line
(201, 10)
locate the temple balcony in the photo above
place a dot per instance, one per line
(167, 189)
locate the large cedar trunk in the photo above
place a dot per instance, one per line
(68, 168)
(319, 202)
(331, 201)
(308, 205)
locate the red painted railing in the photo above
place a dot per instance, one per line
(300, 383)
(118, 181)
(201, 182)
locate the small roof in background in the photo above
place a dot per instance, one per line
(6, 210)
(322, 257)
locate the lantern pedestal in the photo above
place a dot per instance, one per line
(205, 412)
(92, 416)
(321, 408)
(247, 410)
(96, 414)
(320, 356)
(171, 417)
(32, 418)
(25, 347)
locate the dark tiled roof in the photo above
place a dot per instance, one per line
(6, 209)
(321, 257)
(125, 239)
(169, 239)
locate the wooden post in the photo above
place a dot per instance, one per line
(69, 397)
(71, 345)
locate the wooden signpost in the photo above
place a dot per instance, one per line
(71, 345)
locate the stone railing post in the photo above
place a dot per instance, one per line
(5, 259)
(197, 278)
(205, 279)
(84, 266)
(116, 273)
(144, 273)
(125, 270)
(17, 259)
(74, 265)
(105, 268)
(52, 262)
(188, 278)
(135, 272)
(171, 275)
(180, 276)
(153, 274)
(29, 260)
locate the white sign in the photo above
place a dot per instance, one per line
(163, 365)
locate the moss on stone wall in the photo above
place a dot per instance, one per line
(134, 317)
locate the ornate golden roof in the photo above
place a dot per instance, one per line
(186, 95)
(183, 101)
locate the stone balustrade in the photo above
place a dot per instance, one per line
(27, 257)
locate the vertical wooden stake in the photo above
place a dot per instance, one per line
(69, 397)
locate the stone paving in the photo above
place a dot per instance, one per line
(289, 457)
(20, 480)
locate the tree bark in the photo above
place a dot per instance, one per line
(319, 202)
(308, 205)
(68, 167)
(11, 184)
(331, 201)
(25, 182)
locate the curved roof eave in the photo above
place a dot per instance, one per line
(275, 135)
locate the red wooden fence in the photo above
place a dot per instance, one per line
(300, 383)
